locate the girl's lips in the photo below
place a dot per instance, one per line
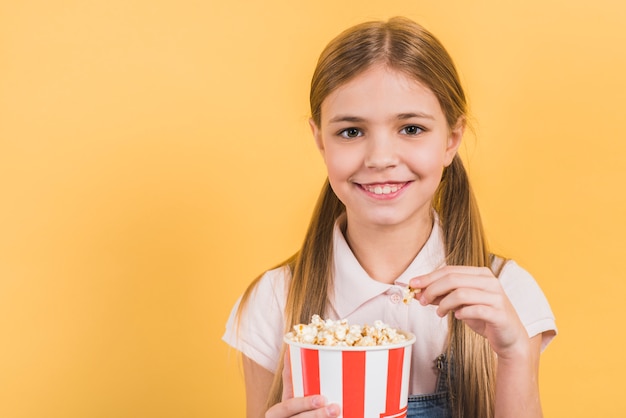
(383, 189)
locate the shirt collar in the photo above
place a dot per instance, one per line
(353, 286)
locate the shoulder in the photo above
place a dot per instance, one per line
(272, 284)
(268, 295)
(256, 328)
(518, 283)
(515, 278)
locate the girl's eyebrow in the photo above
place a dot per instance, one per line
(346, 118)
(399, 116)
(419, 115)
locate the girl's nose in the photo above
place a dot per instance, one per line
(381, 153)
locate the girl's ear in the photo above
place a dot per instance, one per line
(454, 140)
(317, 135)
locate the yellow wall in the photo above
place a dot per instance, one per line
(154, 157)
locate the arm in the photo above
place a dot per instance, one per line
(517, 388)
(258, 381)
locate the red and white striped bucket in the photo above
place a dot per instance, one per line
(368, 382)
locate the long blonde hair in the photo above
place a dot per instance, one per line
(405, 46)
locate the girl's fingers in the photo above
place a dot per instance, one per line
(304, 407)
(435, 275)
(436, 291)
(307, 407)
(458, 274)
(462, 297)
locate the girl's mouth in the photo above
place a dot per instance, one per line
(383, 189)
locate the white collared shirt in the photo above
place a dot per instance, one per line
(361, 299)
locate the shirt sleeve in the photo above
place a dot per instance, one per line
(529, 301)
(258, 332)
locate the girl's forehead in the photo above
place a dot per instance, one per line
(379, 90)
(378, 73)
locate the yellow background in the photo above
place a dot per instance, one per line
(155, 157)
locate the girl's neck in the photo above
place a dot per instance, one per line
(386, 252)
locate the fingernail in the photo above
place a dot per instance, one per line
(332, 411)
(318, 401)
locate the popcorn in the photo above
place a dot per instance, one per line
(340, 333)
(408, 294)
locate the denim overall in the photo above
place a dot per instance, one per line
(434, 405)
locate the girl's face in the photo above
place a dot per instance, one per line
(385, 141)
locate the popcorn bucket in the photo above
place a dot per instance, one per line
(368, 382)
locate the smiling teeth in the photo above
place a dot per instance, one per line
(386, 189)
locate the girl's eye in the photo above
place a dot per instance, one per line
(411, 130)
(350, 133)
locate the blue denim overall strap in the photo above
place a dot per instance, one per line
(434, 405)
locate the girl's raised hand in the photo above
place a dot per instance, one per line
(477, 298)
(313, 406)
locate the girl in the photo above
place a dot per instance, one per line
(388, 115)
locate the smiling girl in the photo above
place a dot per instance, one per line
(388, 116)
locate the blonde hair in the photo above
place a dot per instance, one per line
(404, 46)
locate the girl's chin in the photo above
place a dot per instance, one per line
(391, 220)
